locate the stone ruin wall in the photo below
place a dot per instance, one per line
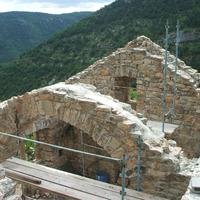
(142, 60)
(116, 131)
(188, 133)
(161, 160)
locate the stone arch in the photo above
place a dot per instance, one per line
(64, 134)
(112, 124)
(108, 128)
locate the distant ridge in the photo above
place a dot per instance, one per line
(21, 31)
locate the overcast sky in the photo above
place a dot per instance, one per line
(52, 6)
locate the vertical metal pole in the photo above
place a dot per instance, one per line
(176, 62)
(139, 144)
(165, 75)
(123, 173)
(83, 158)
(18, 145)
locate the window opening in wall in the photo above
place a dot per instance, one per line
(133, 91)
(60, 152)
(133, 95)
(125, 90)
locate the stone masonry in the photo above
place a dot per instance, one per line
(112, 125)
(141, 61)
(86, 103)
(63, 134)
(7, 188)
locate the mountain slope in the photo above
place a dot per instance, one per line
(96, 36)
(21, 31)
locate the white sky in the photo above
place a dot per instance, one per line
(52, 6)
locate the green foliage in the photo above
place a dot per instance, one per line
(29, 148)
(133, 94)
(21, 31)
(98, 35)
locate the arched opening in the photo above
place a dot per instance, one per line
(66, 135)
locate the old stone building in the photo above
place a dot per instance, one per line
(141, 61)
(92, 111)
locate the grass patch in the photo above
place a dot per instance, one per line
(133, 94)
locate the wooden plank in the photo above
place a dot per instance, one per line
(56, 174)
(98, 184)
(68, 176)
(92, 185)
(79, 186)
(65, 174)
(82, 183)
(63, 191)
(13, 175)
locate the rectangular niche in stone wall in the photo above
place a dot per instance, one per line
(125, 90)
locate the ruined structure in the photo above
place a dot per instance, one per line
(141, 62)
(90, 104)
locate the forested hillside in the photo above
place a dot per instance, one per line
(21, 31)
(100, 34)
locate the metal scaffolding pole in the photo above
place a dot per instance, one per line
(60, 147)
(83, 157)
(176, 63)
(165, 67)
(123, 170)
(165, 74)
(139, 145)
